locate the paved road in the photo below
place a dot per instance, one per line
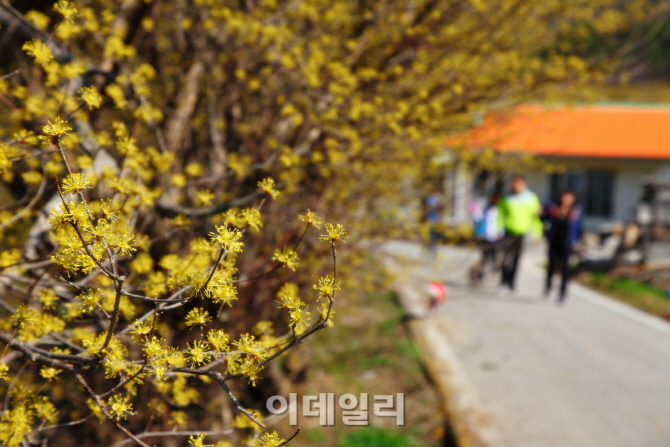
(590, 373)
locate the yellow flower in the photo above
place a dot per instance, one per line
(178, 419)
(300, 318)
(115, 92)
(66, 9)
(58, 128)
(222, 293)
(178, 180)
(142, 264)
(181, 221)
(4, 369)
(326, 287)
(91, 97)
(198, 354)
(204, 197)
(95, 409)
(228, 238)
(153, 347)
(24, 136)
(253, 218)
(148, 23)
(268, 185)
(288, 296)
(271, 440)
(121, 408)
(218, 339)
(45, 410)
(49, 372)
(39, 50)
(73, 69)
(90, 300)
(286, 256)
(335, 234)
(38, 19)
(25, 316)
(194, 169)
(32, 177)
(140, 329)
(323, 313)
(197, 441)
(311, 219)
(48, 298)
(197, 317)
(74, 183)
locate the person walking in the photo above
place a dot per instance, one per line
(488, 233)
(519, 214)
(492, 231)
(564, 231)
(433, 208)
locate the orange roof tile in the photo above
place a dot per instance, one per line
(584, 131)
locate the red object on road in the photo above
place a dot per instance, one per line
(437, 292)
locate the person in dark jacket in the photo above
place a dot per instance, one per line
(563, 231)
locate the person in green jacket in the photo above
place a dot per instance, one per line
(519, 215)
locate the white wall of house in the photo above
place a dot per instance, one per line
(458, 187)
(538, 182)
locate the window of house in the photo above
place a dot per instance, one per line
(594, 189)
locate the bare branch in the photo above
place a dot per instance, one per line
(221, 380)
(114, 318)
(174, 210)
(290, 439)
(161, 434)
(30, 205)
(65, 424)
(98, 401)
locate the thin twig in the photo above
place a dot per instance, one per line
(65, 424)
(160, 434)
(222, 253)
(144, 364)
(174, 210)
(83, 241)
(31, 204)
(12, 73)
(98, 401)
(291, 438)
(114, 319)
(155, 300)
(221, 380)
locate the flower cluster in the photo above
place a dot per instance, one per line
(286, 256)
(334, 234)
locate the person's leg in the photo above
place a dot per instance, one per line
(488, 254)
(565, 274)
(516, 254)
(497, 254)
(551, 267)
(432, 242)
(508, 258)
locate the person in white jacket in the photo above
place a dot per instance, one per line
(492, 231)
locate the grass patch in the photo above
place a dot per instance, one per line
(634, 293)
(369, 351)
(373, 437)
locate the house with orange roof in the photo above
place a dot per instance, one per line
(606, 152)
